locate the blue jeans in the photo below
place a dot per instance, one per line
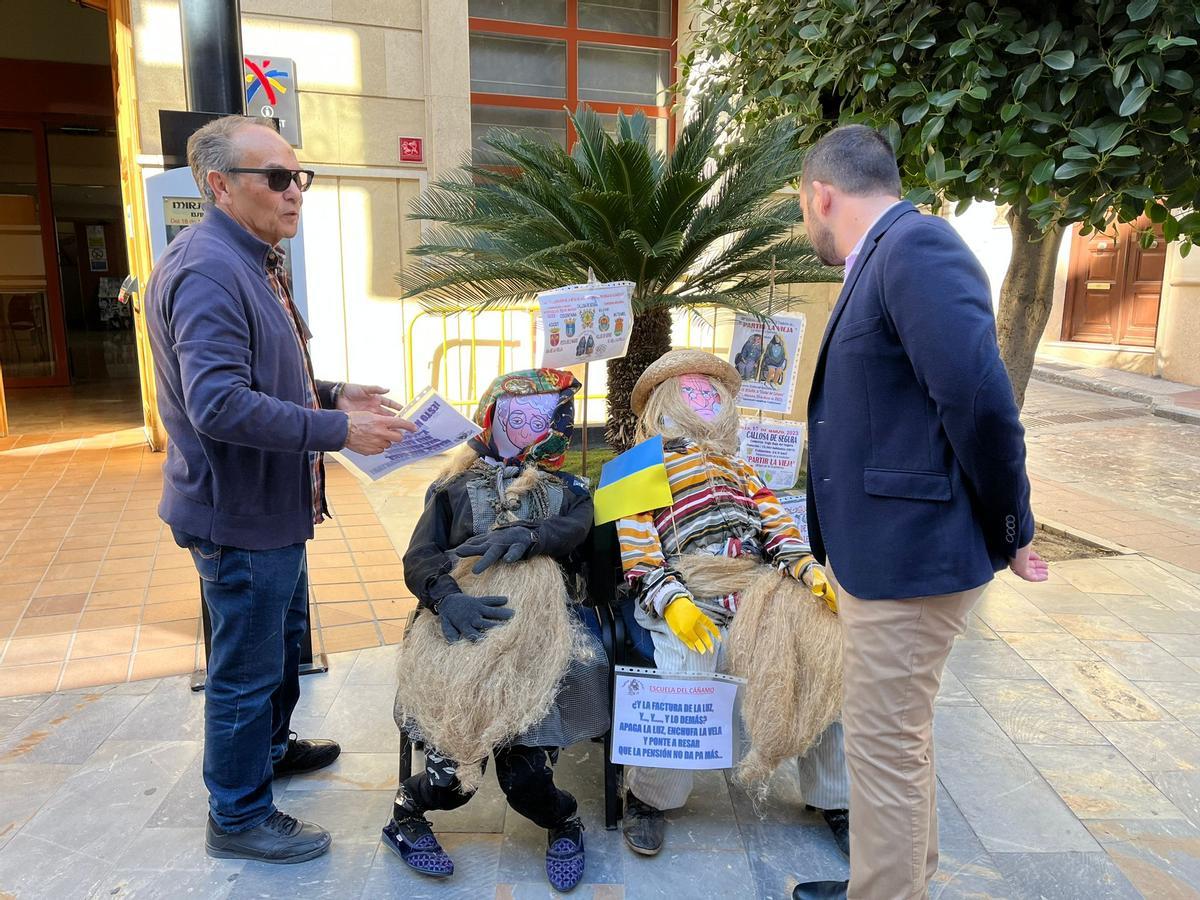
(258, 603)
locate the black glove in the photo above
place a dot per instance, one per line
(465, 616)
(512, 543)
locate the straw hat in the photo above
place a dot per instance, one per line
(682, 362)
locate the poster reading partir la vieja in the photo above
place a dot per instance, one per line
(773, 449)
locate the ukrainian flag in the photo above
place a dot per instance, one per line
(633, 482)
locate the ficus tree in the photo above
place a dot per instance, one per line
(701, 226)
(1078, 111)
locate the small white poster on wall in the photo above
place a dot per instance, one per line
(765, 353)
(585, 323)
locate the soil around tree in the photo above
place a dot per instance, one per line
(1054, 547)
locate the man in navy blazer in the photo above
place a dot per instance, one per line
(917, 492)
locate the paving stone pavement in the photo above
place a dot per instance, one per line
(1067, 748)
(1105, 466)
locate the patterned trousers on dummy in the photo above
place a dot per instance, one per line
(822, 771)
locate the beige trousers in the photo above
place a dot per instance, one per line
(895, 653)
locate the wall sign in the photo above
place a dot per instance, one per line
(412, 149)
(271, 92)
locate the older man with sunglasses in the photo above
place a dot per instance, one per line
(244, 480)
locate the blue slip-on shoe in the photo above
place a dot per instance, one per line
(564, 855)
(413, 840)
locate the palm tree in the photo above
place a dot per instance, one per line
(698, 227)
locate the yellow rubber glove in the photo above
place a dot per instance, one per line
(691, 625)
(822, 588)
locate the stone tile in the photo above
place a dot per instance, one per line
(1155, 746)
(1000, 794)
(1144, 661)
(351, 772)
(13, 710)
(24, 787)
(1099, 628)
(67, 728)
(1032, 712)
(976, 630)
(361, 719)
(1115, 604)
(1064, 876)
(1092, 577)
(1182, 789)
(1160, 859)
(375, 665)
(476, 861)
(523, 852)
(1168, 622)
(171, 862)
(987, 659)
(348, 815)
(123, 784)
(186, 803)
(725, 873)
(1099, 783)
(1003, 609)
(1181, 645)
(341, 872)
(319, 690)
(1151, 577)
(178, 713)
(1056, 597)
(1098, 691)
(965, 868)
(1180, 699)
(953, 692)
(32, 867)
(1042, 645)
(782, 855)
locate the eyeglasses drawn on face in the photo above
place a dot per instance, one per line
(279, 178)
(536, 423)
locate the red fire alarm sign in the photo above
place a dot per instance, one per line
(411, 149)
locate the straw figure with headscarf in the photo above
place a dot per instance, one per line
(497, 661)
(724, 582)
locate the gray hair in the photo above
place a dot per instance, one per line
(855, 159)
(211, 148)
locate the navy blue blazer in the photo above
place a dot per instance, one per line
(916, 454)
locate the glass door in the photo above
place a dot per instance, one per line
(33, 348)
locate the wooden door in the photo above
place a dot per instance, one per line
(1114, 286)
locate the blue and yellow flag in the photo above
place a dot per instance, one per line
(633, 482)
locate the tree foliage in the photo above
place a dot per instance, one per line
(1080, 111)
(693, 228)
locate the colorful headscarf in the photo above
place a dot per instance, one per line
(548, 452)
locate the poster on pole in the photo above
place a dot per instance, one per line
(773, 449)
(796, 505)
(440, 427)
(585, 323)
(666, 720)
(765, 353)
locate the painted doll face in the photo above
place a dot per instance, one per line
(521, 422)
(699, 393)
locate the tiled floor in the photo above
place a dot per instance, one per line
(1067, 728)
(93, 589)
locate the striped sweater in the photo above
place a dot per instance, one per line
(720, 507)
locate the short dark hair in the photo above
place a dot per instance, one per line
(855, 159)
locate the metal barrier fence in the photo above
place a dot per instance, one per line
(469, 349)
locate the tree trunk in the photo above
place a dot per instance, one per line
(1026, 297)
(650, 339)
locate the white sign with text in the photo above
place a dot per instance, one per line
(585, 323)
(666, 720)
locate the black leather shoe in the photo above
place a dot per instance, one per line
(281, 839)
(306, 756)
(643, 826)
(820, 890)
(838, 821)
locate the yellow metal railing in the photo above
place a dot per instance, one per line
(513, 349)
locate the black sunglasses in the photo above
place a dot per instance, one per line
(279, 179)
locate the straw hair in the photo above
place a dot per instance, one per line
(468, 698)
(665, 412)
(787, 644)
(682, 362)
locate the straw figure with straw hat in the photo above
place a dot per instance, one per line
(497, 661)
(724, 582)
